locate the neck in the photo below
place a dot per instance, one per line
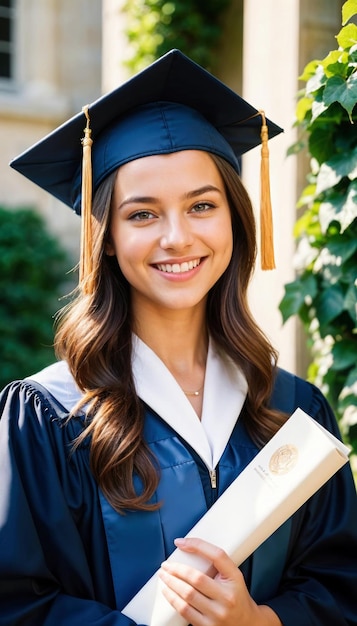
(180, 340)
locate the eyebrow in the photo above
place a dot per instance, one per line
(151, 199)
(137, 200)
(201, 190)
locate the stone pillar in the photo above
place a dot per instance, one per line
(115, 45)
(270, 71)
(39, 36)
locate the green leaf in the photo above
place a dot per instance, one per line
(336, 168)
(329, 304)
(328, 176)
(343, 91)
(296, 293)
(344, 354)
(347, 211)
(318, 108)
(303, 108)
(309, 70)
(351, 302)
(342, 247)
(316, 81)
(350, 271)
(349, 9)
(351, 379)
(353, 54)
(347, 37)
(336, 63)
(321, 142)
(307, 195)
(340, 209)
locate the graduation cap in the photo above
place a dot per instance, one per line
(172, 105)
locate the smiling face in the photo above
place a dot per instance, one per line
(170, 230)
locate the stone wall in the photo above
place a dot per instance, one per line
(57, 70)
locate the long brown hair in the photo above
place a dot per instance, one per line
(94, 336)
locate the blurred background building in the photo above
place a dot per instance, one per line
(56, 55)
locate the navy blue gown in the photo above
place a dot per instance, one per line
(67, 558)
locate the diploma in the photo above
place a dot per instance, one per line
(300, 458)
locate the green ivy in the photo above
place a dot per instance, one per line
(324, 294)
(33, 271)
(156, 26)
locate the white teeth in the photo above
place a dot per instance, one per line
(177, 268)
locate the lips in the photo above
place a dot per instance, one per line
(178, 268)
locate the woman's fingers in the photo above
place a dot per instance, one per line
(220, 560)
(183, 589)
(201, 598)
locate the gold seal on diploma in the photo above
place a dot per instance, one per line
(284, 459)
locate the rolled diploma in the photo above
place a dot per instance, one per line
(291, 467)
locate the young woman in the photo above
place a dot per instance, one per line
(165, 387)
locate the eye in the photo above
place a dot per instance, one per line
(141, 216)
(202, 207)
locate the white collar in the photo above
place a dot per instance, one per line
(58, 380)
(224, 393)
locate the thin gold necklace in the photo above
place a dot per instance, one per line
(193, 393)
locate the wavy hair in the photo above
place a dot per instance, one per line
(94, 336)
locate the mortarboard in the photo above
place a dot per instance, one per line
(172, 105)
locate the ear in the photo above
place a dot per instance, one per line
(109, 248)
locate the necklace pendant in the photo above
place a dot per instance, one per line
(192, 393)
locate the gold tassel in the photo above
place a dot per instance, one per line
(86, 265)
(266, 218)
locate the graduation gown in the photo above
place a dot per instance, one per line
(66, 557)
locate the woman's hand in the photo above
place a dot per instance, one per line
(218, 600)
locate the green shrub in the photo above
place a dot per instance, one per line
(156, 26)
(33, 273)
(324, 294)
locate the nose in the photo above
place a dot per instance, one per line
(177, 233)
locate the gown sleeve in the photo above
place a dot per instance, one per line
(50, 572)
(319, 584)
